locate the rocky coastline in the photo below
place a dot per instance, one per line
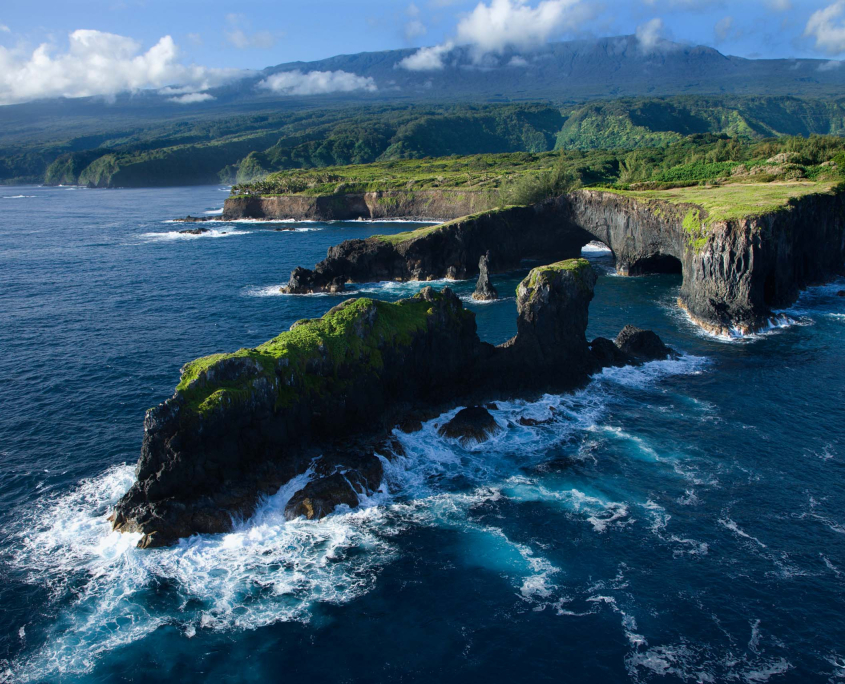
(323, 398)
(735, 272)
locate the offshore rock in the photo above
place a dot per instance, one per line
(642, 345)
(471, 426)
(241, 425)
(484, 290)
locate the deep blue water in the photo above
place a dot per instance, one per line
(683, 521)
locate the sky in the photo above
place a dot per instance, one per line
(76, 48)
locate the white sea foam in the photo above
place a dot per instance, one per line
(269, 570)
(214, 212)
(595, 248)
(175, 235)
(19, 197)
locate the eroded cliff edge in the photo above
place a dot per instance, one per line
(317, 399)
(405, 204)
(735, 271)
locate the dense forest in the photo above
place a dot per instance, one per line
(238, 149)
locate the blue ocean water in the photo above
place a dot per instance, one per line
(679, 522)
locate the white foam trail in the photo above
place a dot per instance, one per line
(19, 197)
(733, 527)
(175, 235)
(214, 212)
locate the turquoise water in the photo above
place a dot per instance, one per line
(682, 521)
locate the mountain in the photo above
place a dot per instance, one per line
(561, 73)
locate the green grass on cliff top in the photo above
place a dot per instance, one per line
(735, 201)
(347, 333)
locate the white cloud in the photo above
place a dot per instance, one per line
(828, 29)
(832, 65)
(238, 36)
(414, 27)
(427, 58)
(192, 98)
(495, 25)
(723, 28)
(317, 83)
(5, 29)
(98, 63)
(514, 23)
(517, 61)
(651, 35)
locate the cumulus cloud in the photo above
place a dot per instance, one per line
(414, 27)
(427, 58)
(651, 35)
(192, 98)
(827, 28)
(317, 83)
(237, 35)
(98, 63)
(494, 26)
(514, 23)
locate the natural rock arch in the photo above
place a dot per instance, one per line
(734, 272)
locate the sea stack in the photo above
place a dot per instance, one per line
(484, 290)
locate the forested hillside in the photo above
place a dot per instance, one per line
(247, 147)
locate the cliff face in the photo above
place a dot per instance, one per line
(319, 397)
(734, 272)
(420, 204)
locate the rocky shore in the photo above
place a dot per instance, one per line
(324, 397)
(735, 272)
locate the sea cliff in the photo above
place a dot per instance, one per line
(322, 397)
(739, 263)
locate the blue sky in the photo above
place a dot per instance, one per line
(208, 36)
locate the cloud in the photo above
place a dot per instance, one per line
(723, 28)
(192, 98)
(237, 35)
(98, 63)
(828, 29)
(5, 29)
(194, 39)
(427, 58)
(317, 83)
(779, 5)
(496, 25)
(517, 61)
(514, 23)
(652, 36)
(832, 65)
(414, 27)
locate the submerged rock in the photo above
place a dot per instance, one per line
(484, 290)
(643, 345)
(470, 426)
(841, 293)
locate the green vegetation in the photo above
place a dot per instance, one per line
(733, 201)
(576, 266)
(353, 332)
(245, 148)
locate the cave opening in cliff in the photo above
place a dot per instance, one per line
(659, 263)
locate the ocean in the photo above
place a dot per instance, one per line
(683, 521)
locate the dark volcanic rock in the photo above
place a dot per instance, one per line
(841, 293)
(484, 290)
(734, 273)
(470, 425)
(607, 353)
(357, 476)
(196, 219)
(194, 231)
(241, 425)
(643, 345)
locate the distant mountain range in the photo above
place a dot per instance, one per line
(567, 72)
